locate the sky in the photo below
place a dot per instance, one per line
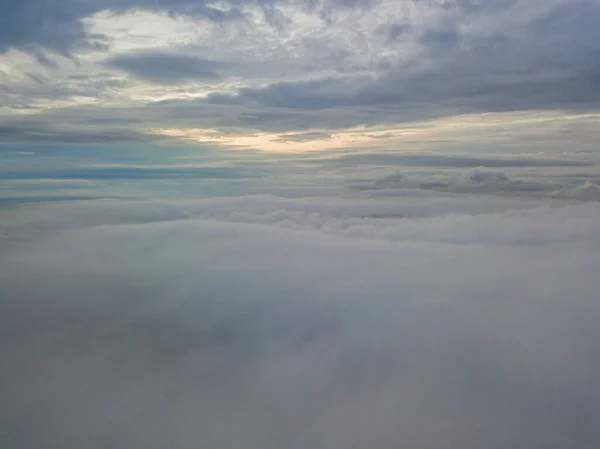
(285, 224)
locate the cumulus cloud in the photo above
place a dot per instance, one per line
(587, 191)
(395, 179)
(261, 321)
(482, 175)
(482, 181)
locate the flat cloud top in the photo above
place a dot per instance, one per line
(261, 321)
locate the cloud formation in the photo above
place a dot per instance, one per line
(300, 67)
(166, 68)
(262, 322)
(481, 181)
(299, 224)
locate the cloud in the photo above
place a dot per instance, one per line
(392, 180)
(306, 67)
(587, 191)
(483, 175)
(37, 222)
(436, 288)
(41, 132)
(449, 89)
(36, 22)
(315, 94)
(442, 160)
(167, 68)
(305, 137)
(59, 26)
(475, 181)
(453, 72)
(186, 330)
(132, 173)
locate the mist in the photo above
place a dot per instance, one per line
(300, 323)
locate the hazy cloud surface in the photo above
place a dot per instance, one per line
(262, 321)
(289, 224)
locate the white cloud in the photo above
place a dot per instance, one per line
(267, 322)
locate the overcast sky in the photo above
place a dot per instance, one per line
(285, 224)
(287, 75)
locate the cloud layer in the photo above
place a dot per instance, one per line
(259, 322)
(281, 224)
(280, 66)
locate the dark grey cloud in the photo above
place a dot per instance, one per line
(131, 173)
(167, 68)
(442, 40)
(488, 176)
(301, 95)
(547, 63)
(455, 160)
(54, 25)
(42, 131)
(392, 32)
(449, 90)
(475, 181)
(7, 203)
